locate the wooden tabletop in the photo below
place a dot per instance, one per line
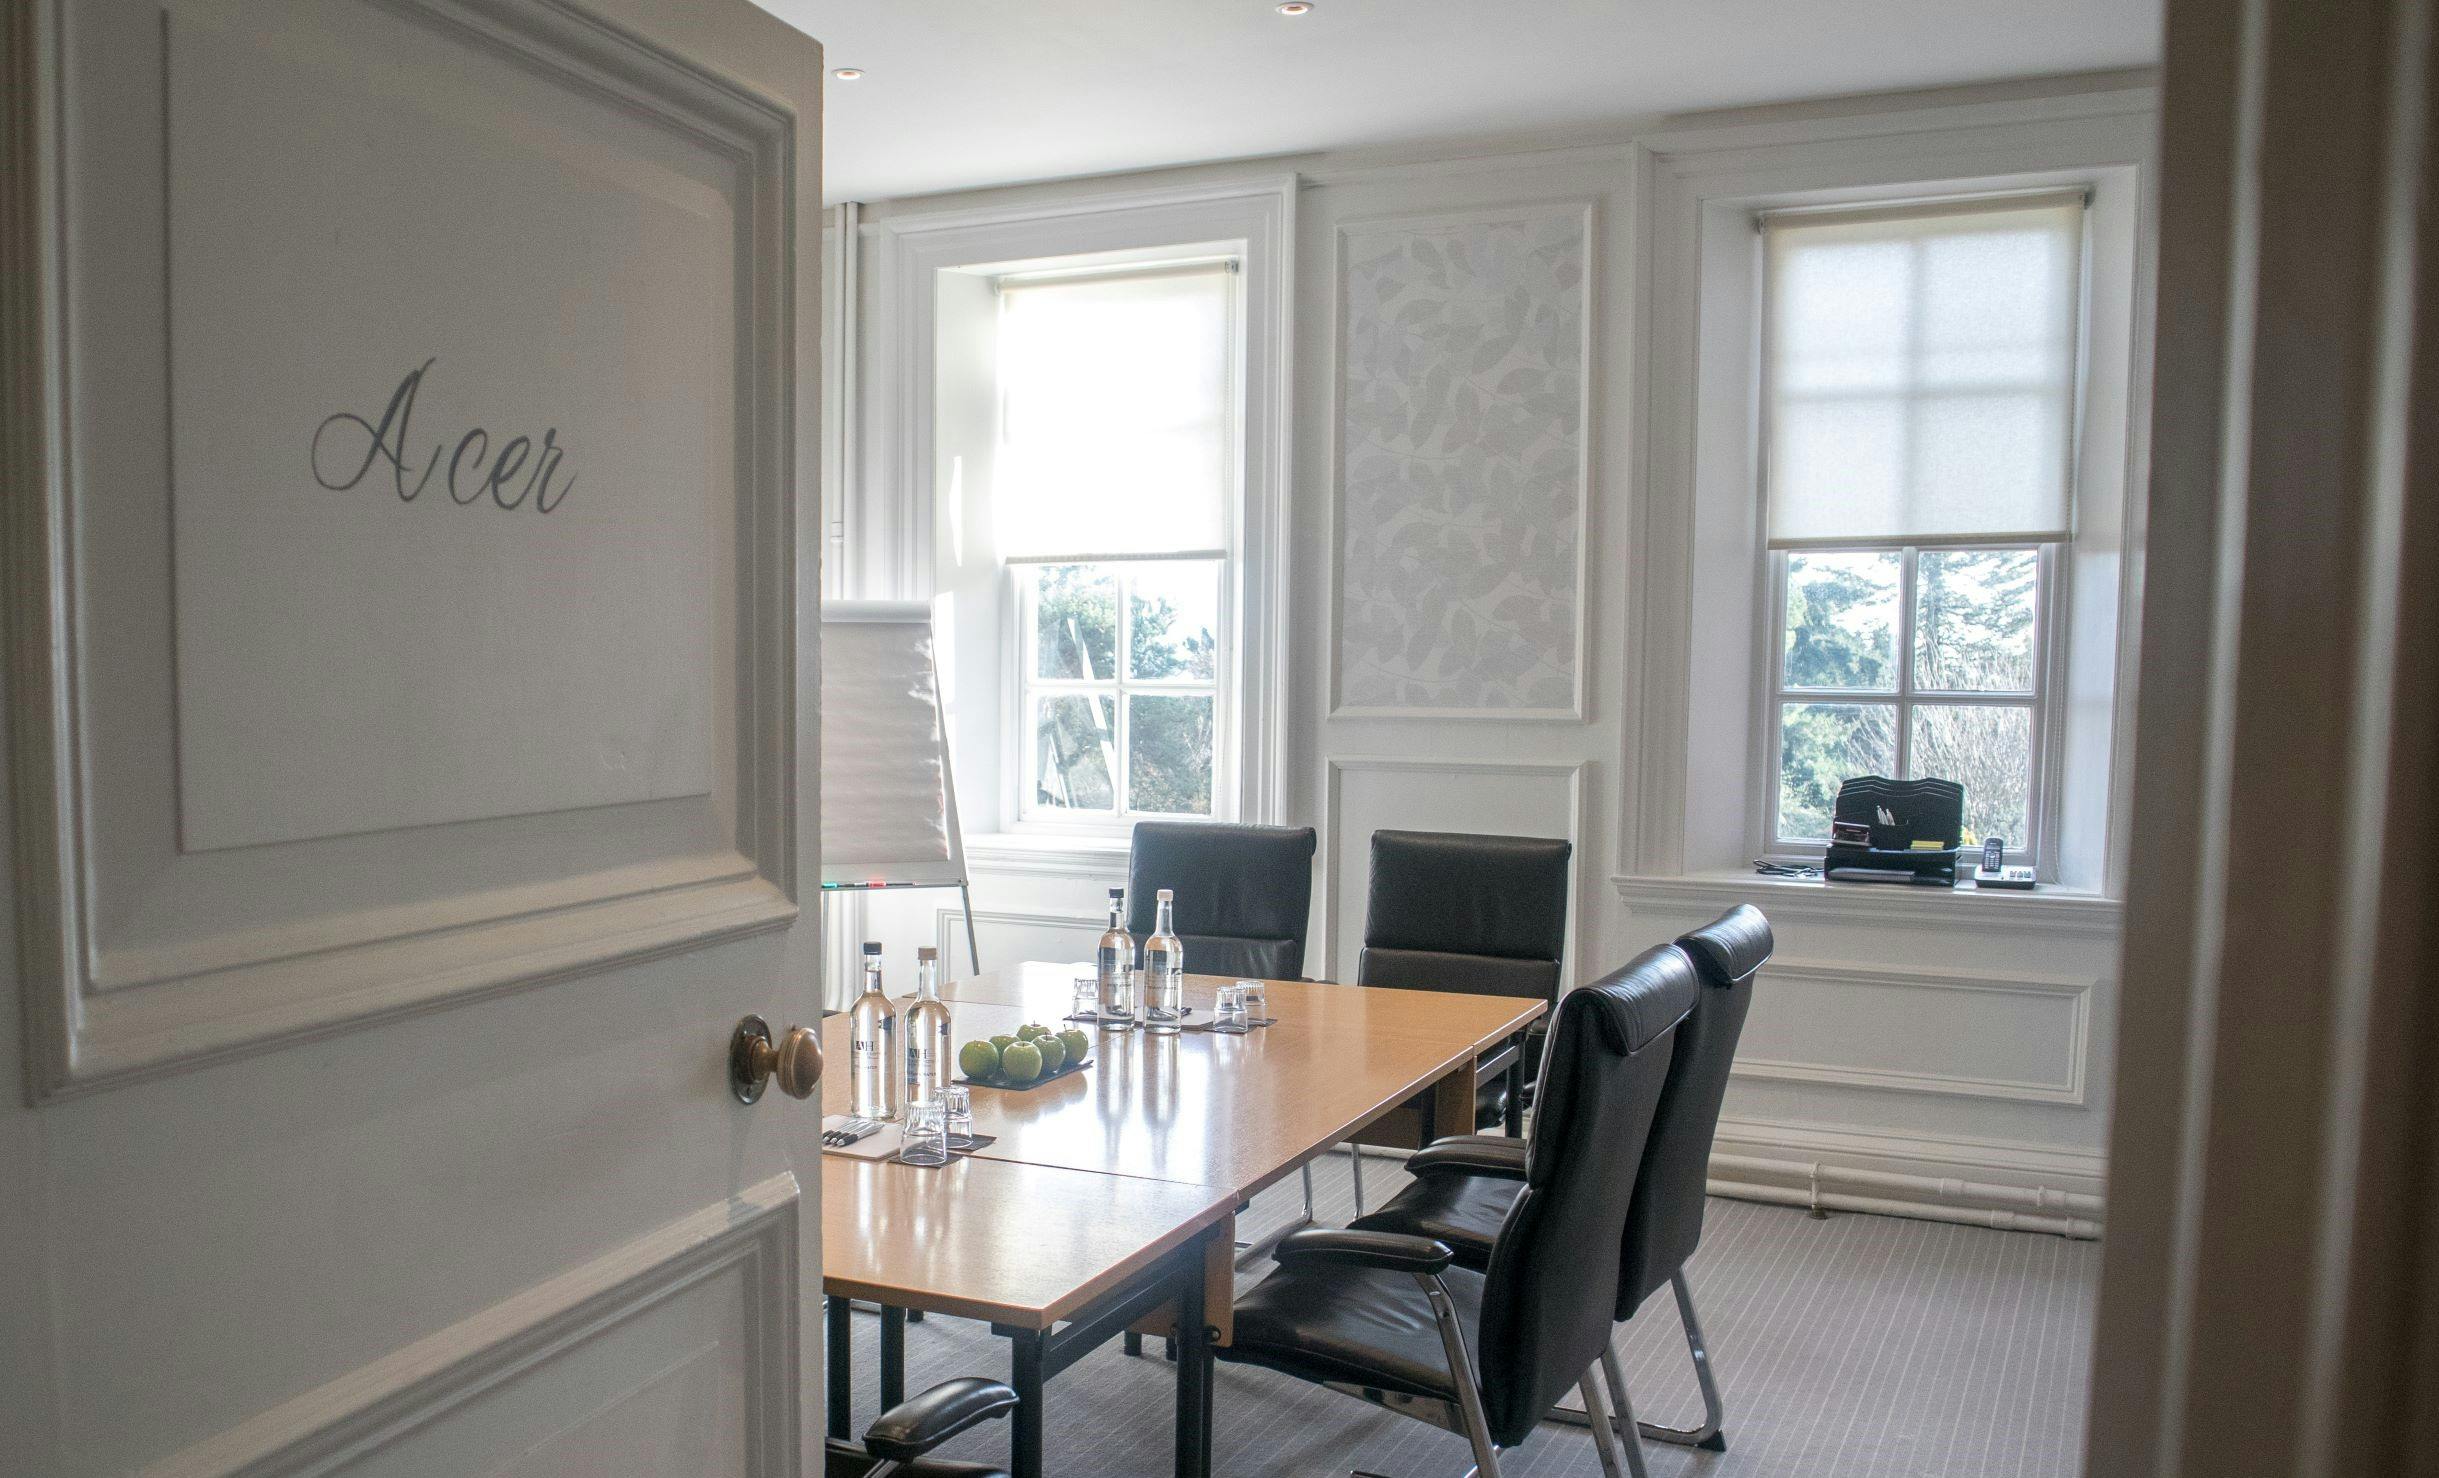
(1028, 1245)
(1093, 1177)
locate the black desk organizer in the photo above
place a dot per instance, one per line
(1896, 814)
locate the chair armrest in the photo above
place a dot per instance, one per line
(1497, 1156)
(918, 1424)
(1394, 1252)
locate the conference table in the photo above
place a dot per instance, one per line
(1105, 1201)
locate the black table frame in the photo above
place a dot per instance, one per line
(1035, 1356)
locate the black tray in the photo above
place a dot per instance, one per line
(1064, 1070)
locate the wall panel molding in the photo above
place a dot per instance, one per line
(1466, 619)
(948, 930)
(378, 1406)
(2071, 1045)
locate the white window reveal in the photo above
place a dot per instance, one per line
(1919, 403)
(1113, 496)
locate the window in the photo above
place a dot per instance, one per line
(1919, 399)
(1112, 495)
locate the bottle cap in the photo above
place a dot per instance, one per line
(1165, 896)
(926, 952)
(1117, 892)
(872, 947)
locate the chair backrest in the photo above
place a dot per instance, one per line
(1666, 1224)
(1243, 894)
(1547, 1310)
(1486, 915)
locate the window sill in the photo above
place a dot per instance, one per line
(1063, 854)
(2048, 909)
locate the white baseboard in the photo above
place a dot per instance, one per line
(1980, 1182)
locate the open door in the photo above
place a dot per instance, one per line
(412, 694)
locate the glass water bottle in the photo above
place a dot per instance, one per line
(928, 1055)
(872, 1029)
(1164, 972)
(1116, 963)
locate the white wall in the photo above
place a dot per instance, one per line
(1943, 1054)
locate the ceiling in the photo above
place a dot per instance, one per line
(958, 93)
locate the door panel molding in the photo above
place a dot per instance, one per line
(145, 951)
(370, 1410)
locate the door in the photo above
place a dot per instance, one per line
(411, 736)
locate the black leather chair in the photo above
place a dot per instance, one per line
(1389, 1318)
(1243, 895)
(1484, 915)
(1464, 1185)
(895, 1444)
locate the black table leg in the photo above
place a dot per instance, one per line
(1192, 1344)
(893, 1356)
(1025, 1374)
(838, 1356)
(1515, 1088)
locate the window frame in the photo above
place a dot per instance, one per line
(1119, 687)
(1020, 736)
(1905, 697)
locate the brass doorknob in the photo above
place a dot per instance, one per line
(754, 1060)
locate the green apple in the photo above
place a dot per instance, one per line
(1020, 1062)
(978, 1060)
(1078, 1045)
(1054, 1052)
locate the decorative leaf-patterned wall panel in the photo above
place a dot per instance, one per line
(1462, 462)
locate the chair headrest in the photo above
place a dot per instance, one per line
(1640, 1000)
(1731, 947)
(1465, 894)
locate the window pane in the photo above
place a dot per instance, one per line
(1988, 750)
(1174, 620)
(1821, 746)
(1075, 613)
(1842, 620)
(1074, 735)
(1973, 620)
(1169, 753)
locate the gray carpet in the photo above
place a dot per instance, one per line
(1857, 1347)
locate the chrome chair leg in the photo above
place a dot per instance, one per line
(1604, 1429)
(1619, 1420)
(1355, 1158)
(1461, 1367)
(1306, 1170)
(1714, 1412)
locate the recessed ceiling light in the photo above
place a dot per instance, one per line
(849, 74)
(1296, 7)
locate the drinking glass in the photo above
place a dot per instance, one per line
(1164, 1003)
(1231, 1015)
(959, 1102)
(1087, 998)
(1256, 999)
(926, 1136)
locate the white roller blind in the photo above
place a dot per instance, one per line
(1921, 373)
(1117, 413)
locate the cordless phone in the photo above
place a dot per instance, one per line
(1994, 871)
